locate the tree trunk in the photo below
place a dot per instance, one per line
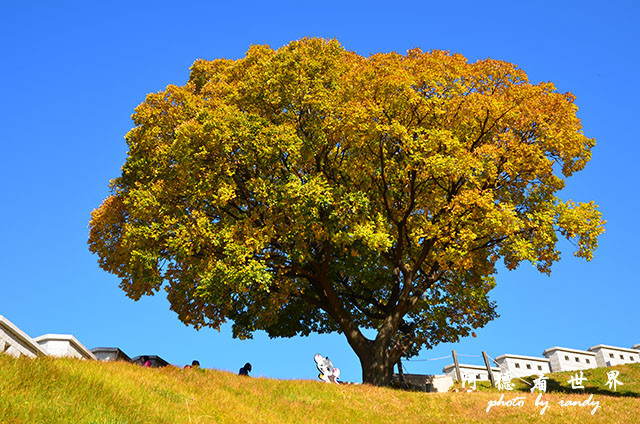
(401, 373)
(377, 368)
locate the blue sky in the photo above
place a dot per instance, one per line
(72, 74)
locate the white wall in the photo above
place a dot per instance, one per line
(441, 383)
(63, 345)
(608, 357)
(479, 372)
(522, 367)
(15, 342)
(570, 361)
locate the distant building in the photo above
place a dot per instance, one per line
(521, 366)
(564, 359)
(15, 342)
(607, 356)
(108, 354)
(63, 345)
(156, 361)
(478, 371)
(636, 347)
(428, 383)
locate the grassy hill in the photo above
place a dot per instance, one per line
(71, 391)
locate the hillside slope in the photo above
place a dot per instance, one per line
(72, 391)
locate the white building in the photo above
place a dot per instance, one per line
(521, 366)
(478, 371)
(564, 359)
(608, 356)
(63, 345)
(15, 342)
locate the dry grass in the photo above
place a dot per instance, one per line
(71, 391)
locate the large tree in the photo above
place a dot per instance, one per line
(310, 189)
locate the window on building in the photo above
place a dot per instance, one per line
(528, 366)
(621, 356)
(611, 355)
(566, 358)
(479, 377)
(577, 359)
(517, 365)
(539, 367)
(588, 362)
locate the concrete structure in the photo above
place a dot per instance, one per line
(608, 356)
(564, 359)
(521, 366)
(108, 354)
(428, 383)
(15, 342)
(479, 371)
(63, 345)
(439, 383)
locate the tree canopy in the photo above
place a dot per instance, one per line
(311, 189)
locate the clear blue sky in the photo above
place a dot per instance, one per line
(72, 73)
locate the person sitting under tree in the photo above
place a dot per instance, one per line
(194, 364)
(245, 370)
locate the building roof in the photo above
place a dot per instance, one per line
(623, 349)
(637, 347)
(115, 350)
(67, 338)
(565, 349)
(474, 367)
(528, 358)
(20, 335)
(159, 362)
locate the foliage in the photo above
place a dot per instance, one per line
(310, 189)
